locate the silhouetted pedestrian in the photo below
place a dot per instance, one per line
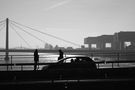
(60, 54)
(36, 59)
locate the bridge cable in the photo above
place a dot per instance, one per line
(2, 21)
(29, 33)
(2, 26)
(20, 36)
(47, 34)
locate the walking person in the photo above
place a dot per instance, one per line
(60, 54)
(36, 59)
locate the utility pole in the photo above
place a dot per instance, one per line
(7, 41)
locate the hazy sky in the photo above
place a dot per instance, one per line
(72, 20)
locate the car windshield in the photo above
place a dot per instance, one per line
(75, 59)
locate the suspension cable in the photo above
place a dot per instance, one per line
(29, 33)
(2, 21)
(20, 36)
(47, 34)
(2, 26)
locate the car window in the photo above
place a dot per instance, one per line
(76, 60)
(69, 60)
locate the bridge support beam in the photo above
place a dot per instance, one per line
(7, 41)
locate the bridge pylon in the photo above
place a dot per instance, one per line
(7, 41)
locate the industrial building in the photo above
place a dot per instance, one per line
(119, 41)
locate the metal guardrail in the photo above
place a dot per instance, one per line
(98, 63)
(117, 58)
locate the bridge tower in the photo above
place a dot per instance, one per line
(7, 41)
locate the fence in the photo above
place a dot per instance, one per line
(100, 64)
(102, 60)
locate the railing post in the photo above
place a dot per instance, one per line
(7, 67)
(98, 65)
(21, 67)
(112, 64)
(118, 57)
(11, 62)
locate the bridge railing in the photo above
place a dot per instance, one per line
(100, 64)
(103, 59)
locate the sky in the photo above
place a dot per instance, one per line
(71, 20)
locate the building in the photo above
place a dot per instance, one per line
(118, 41)
(48, 46)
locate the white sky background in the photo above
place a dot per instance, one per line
(72, 20)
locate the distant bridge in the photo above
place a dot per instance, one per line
(66, 50)
(74, 51)
(15, 26)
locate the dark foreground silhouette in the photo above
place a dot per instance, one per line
(60, 54)
(72, 65)
(36, 59)
(118, 78)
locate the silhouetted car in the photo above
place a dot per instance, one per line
(72, 66)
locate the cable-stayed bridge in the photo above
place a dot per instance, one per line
(9, 25)
(16, 27)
